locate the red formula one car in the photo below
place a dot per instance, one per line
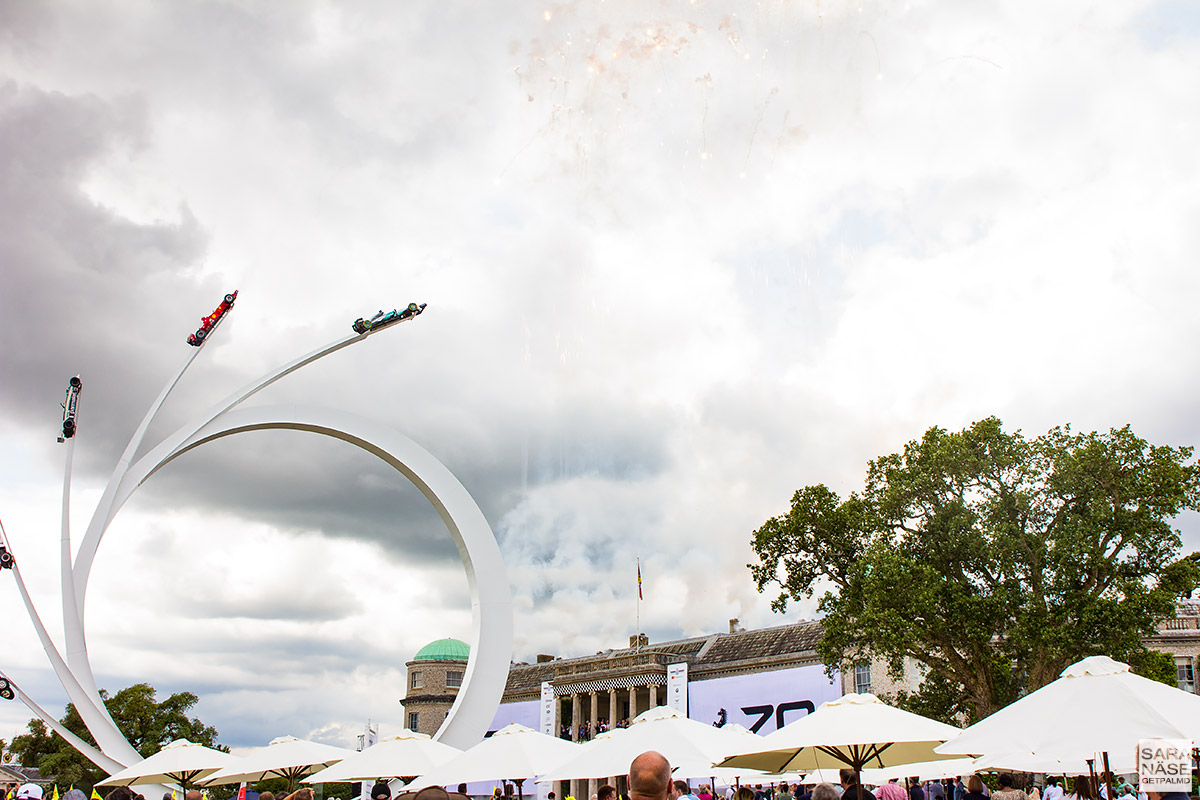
(206, 323)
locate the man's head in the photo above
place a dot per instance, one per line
(827, 791)
(606, 792)
(380, 791)
(649, 776)
(192, 794)
(681, 788)
(267, 796)
(846, 775)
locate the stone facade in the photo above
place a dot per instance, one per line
(433, 680)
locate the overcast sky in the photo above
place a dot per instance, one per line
(681, 259)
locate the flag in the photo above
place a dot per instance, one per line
(639, 580)
(55, 795)
(173, 795)
(95, 794)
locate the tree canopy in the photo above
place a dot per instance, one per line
(145, 722)
(991, 559)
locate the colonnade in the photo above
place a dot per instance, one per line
(623, 703)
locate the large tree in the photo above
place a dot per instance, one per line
(992, 559)
(145, 722)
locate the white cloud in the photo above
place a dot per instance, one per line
(679, 262)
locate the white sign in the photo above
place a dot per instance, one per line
(677, 688)
(1164, 765)
(763, 702)
(547, 726)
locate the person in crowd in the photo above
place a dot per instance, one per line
(1053, 790)
(891, 791)
(649, 777)
(267, 796)
(915, 792)
(784, 792)
(683, 791)
(744, 793)
(74, 794)
(935, 791)
(825, 791)
(705, 793)
(1006, 790)
(960, 788)
(30, 791)
(380, 791)
(851, 788)
(1081, 789)
(974, 789)
(606, 792)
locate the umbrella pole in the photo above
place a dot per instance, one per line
(520, 792)
(1091, 762)
(1108, 776)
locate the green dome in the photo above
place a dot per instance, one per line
(443, 650)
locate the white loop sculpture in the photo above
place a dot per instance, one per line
(491, 600)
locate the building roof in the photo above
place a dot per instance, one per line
(444, 650)
(782, 645)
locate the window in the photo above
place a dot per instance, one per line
(454, 679)
(416, 680)
(862, 678)
(1185, 674)
(413, 720)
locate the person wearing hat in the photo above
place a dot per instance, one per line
(29, 791)
(381, 791)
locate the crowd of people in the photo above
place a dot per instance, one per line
(588, 729)
(648, 781)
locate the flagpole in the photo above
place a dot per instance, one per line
(637, 622)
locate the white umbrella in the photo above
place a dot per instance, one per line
(1096, 706)
(513, 753)
(926, 770)
(402, 756)
(285, 757)
(689, 746)
(180, 762)
(856, 731)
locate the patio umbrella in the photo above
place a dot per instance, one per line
(856, 731)
(926, 770)
(691, 747)
(513, 753)
(1096, 706)
(285, 757)
(403, 756)
(180, 762)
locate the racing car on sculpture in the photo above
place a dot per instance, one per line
(381, 319)
(70, 406)
(207, 323)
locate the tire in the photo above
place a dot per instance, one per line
(412, 307)
(201, 335)
(75, 382)
(69, 428)
(228, 298)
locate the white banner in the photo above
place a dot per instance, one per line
(677, 687)
(547, 726)
(528, 713)
(1164, 765)
(765, 701)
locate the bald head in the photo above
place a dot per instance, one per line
(649, 776)
(192, 794)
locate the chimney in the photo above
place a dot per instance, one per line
(733, 625)
(640, 640)
(543, 658)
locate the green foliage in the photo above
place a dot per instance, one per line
(146, 723)
(992, 559)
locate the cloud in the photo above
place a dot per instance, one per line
(679, 262)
